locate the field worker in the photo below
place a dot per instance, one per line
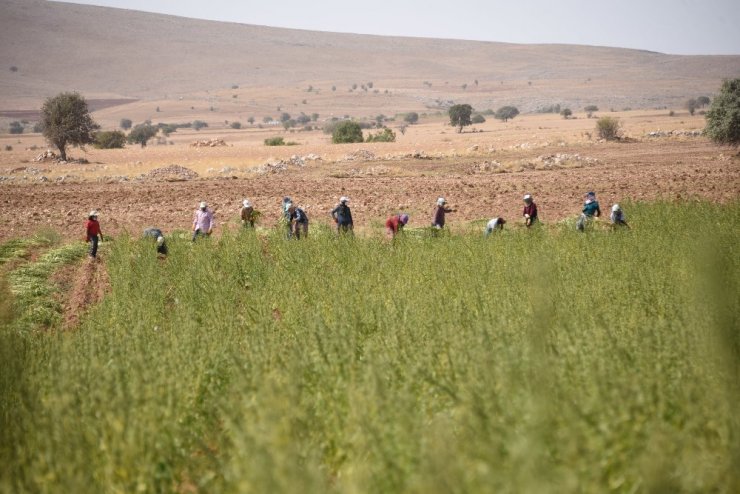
(93, 232)
(298, 222)
(202, 221)
(439, 213)
(590, 211)
(343, 216)
(617, 217)
(395, 224)
(530, 211)
(158, 236)
(495, 224)
(247, 214)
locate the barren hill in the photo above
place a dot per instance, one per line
(112, 53)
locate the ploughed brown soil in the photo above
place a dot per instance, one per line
(632, 171)
(82, 285)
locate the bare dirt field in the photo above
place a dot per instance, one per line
(483, 174)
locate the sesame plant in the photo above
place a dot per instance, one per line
(542, 360)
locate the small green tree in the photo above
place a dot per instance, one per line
(346, 132)
(284, 117)
(141, 134)
(314, 116)
(703, 101)
(566, 113)
(67, 122)
(411, 117)
(15, 128)
(199, 124)
(478, 119)
(460, 116)
(723, 118)
(250, 120)
(113, 139)
(125, 123)
(608, 128)
(506, 113)
(235, 125)
(691, 106)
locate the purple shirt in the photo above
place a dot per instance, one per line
(203, 220)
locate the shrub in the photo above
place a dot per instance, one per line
(347, 132)
(723, 118)
(125, 123)
(333, 88)
(8, 147)
(235, 86)
(386, 135)
(566, 113)
(250, 120)
(591, 108)
(303, 119)
(235, 125)
(199, 124)
(671, 113)
(691, 106)
(549, 109)
(266, 119)
(141, 134)
(506, 113)
(15, 128)
(314, 116)
(13, 68)
(608, 128)
(411, 117)
(38, 127)
(284, 117)
(275, 141)
(478, 119)
(112, 139)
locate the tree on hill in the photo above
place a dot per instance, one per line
(566, 113)
(141, 134)
(15, 128)
(67, 122)
(347, 131)
(125, 123)
(691, 106)
(723, 118)
(506, 113)
(460, 116)
(703, 101)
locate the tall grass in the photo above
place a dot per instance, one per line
(537, 361)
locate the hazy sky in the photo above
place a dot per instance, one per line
(668, 26)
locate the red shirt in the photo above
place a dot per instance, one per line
(93, 228)
(393, 223)
(531, 210)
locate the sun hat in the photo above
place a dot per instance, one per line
(527, 197)
(246, 203)
(203, 205)
(404, 218)
(441, 201)
(616, 208)
(93, 213)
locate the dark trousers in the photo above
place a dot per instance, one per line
(93, 245)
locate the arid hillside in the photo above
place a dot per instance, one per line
(186, 64)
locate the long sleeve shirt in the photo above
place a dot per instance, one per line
(93, 228)
(342, 215)
(439, 216)
(203, 220)
(531, 210)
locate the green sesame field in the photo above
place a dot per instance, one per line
(531, 361)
